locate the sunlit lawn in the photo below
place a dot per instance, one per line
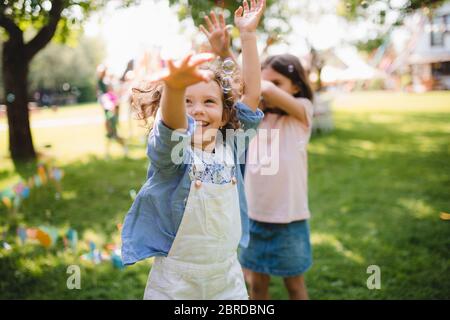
(377, 185)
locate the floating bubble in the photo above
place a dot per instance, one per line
(10, 97)
(228, 66)
(291, 68)
(66, 86)
(227, 84)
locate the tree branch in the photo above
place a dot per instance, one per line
(9, 25)
(47, 32)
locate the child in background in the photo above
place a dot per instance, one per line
(191, 214)
(278, 203)
(109, 101)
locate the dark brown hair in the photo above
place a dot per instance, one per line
(147, 96)
(290, 66)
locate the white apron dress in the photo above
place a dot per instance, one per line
(202, 263)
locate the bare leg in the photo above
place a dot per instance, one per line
(296, 287)
(247, 275)
(259, 286)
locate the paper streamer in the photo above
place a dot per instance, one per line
(7, 202)
(42, 174)
(72, 237)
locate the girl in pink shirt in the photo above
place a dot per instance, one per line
(276, 181)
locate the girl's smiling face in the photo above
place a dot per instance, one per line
(204, 103)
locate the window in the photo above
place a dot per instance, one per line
(447, 22)
(441, 69)
(438, 28)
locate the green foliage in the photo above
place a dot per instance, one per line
(76, 66)
(370, 45)
(35, 14)
(353, 9)
(277, 11)
(376, 11)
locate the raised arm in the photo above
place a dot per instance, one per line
(176, 79)
(246, 19)
(295, 107)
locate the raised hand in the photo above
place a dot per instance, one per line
(217, 34)
(246, 18)
(183, 73)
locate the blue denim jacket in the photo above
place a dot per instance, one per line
(152, 222)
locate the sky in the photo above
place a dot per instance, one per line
(128, 32)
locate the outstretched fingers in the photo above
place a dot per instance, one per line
(238, 12)
(209, 24)
(185, 60)
(206, 32)
(246, 7)
(170, 65)
(214, 19)
(222, 21)
(261, 5)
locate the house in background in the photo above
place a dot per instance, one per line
(429, 60)
(344, 68)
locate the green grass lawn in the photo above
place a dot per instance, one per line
(377, 184)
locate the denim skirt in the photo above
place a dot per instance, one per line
(278, 249)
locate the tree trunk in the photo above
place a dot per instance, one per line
(15, 77)
(319, 78)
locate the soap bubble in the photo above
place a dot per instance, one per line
(228, 66)
(227, 84)
(10, 97)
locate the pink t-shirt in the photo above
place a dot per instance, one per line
(276, 175)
